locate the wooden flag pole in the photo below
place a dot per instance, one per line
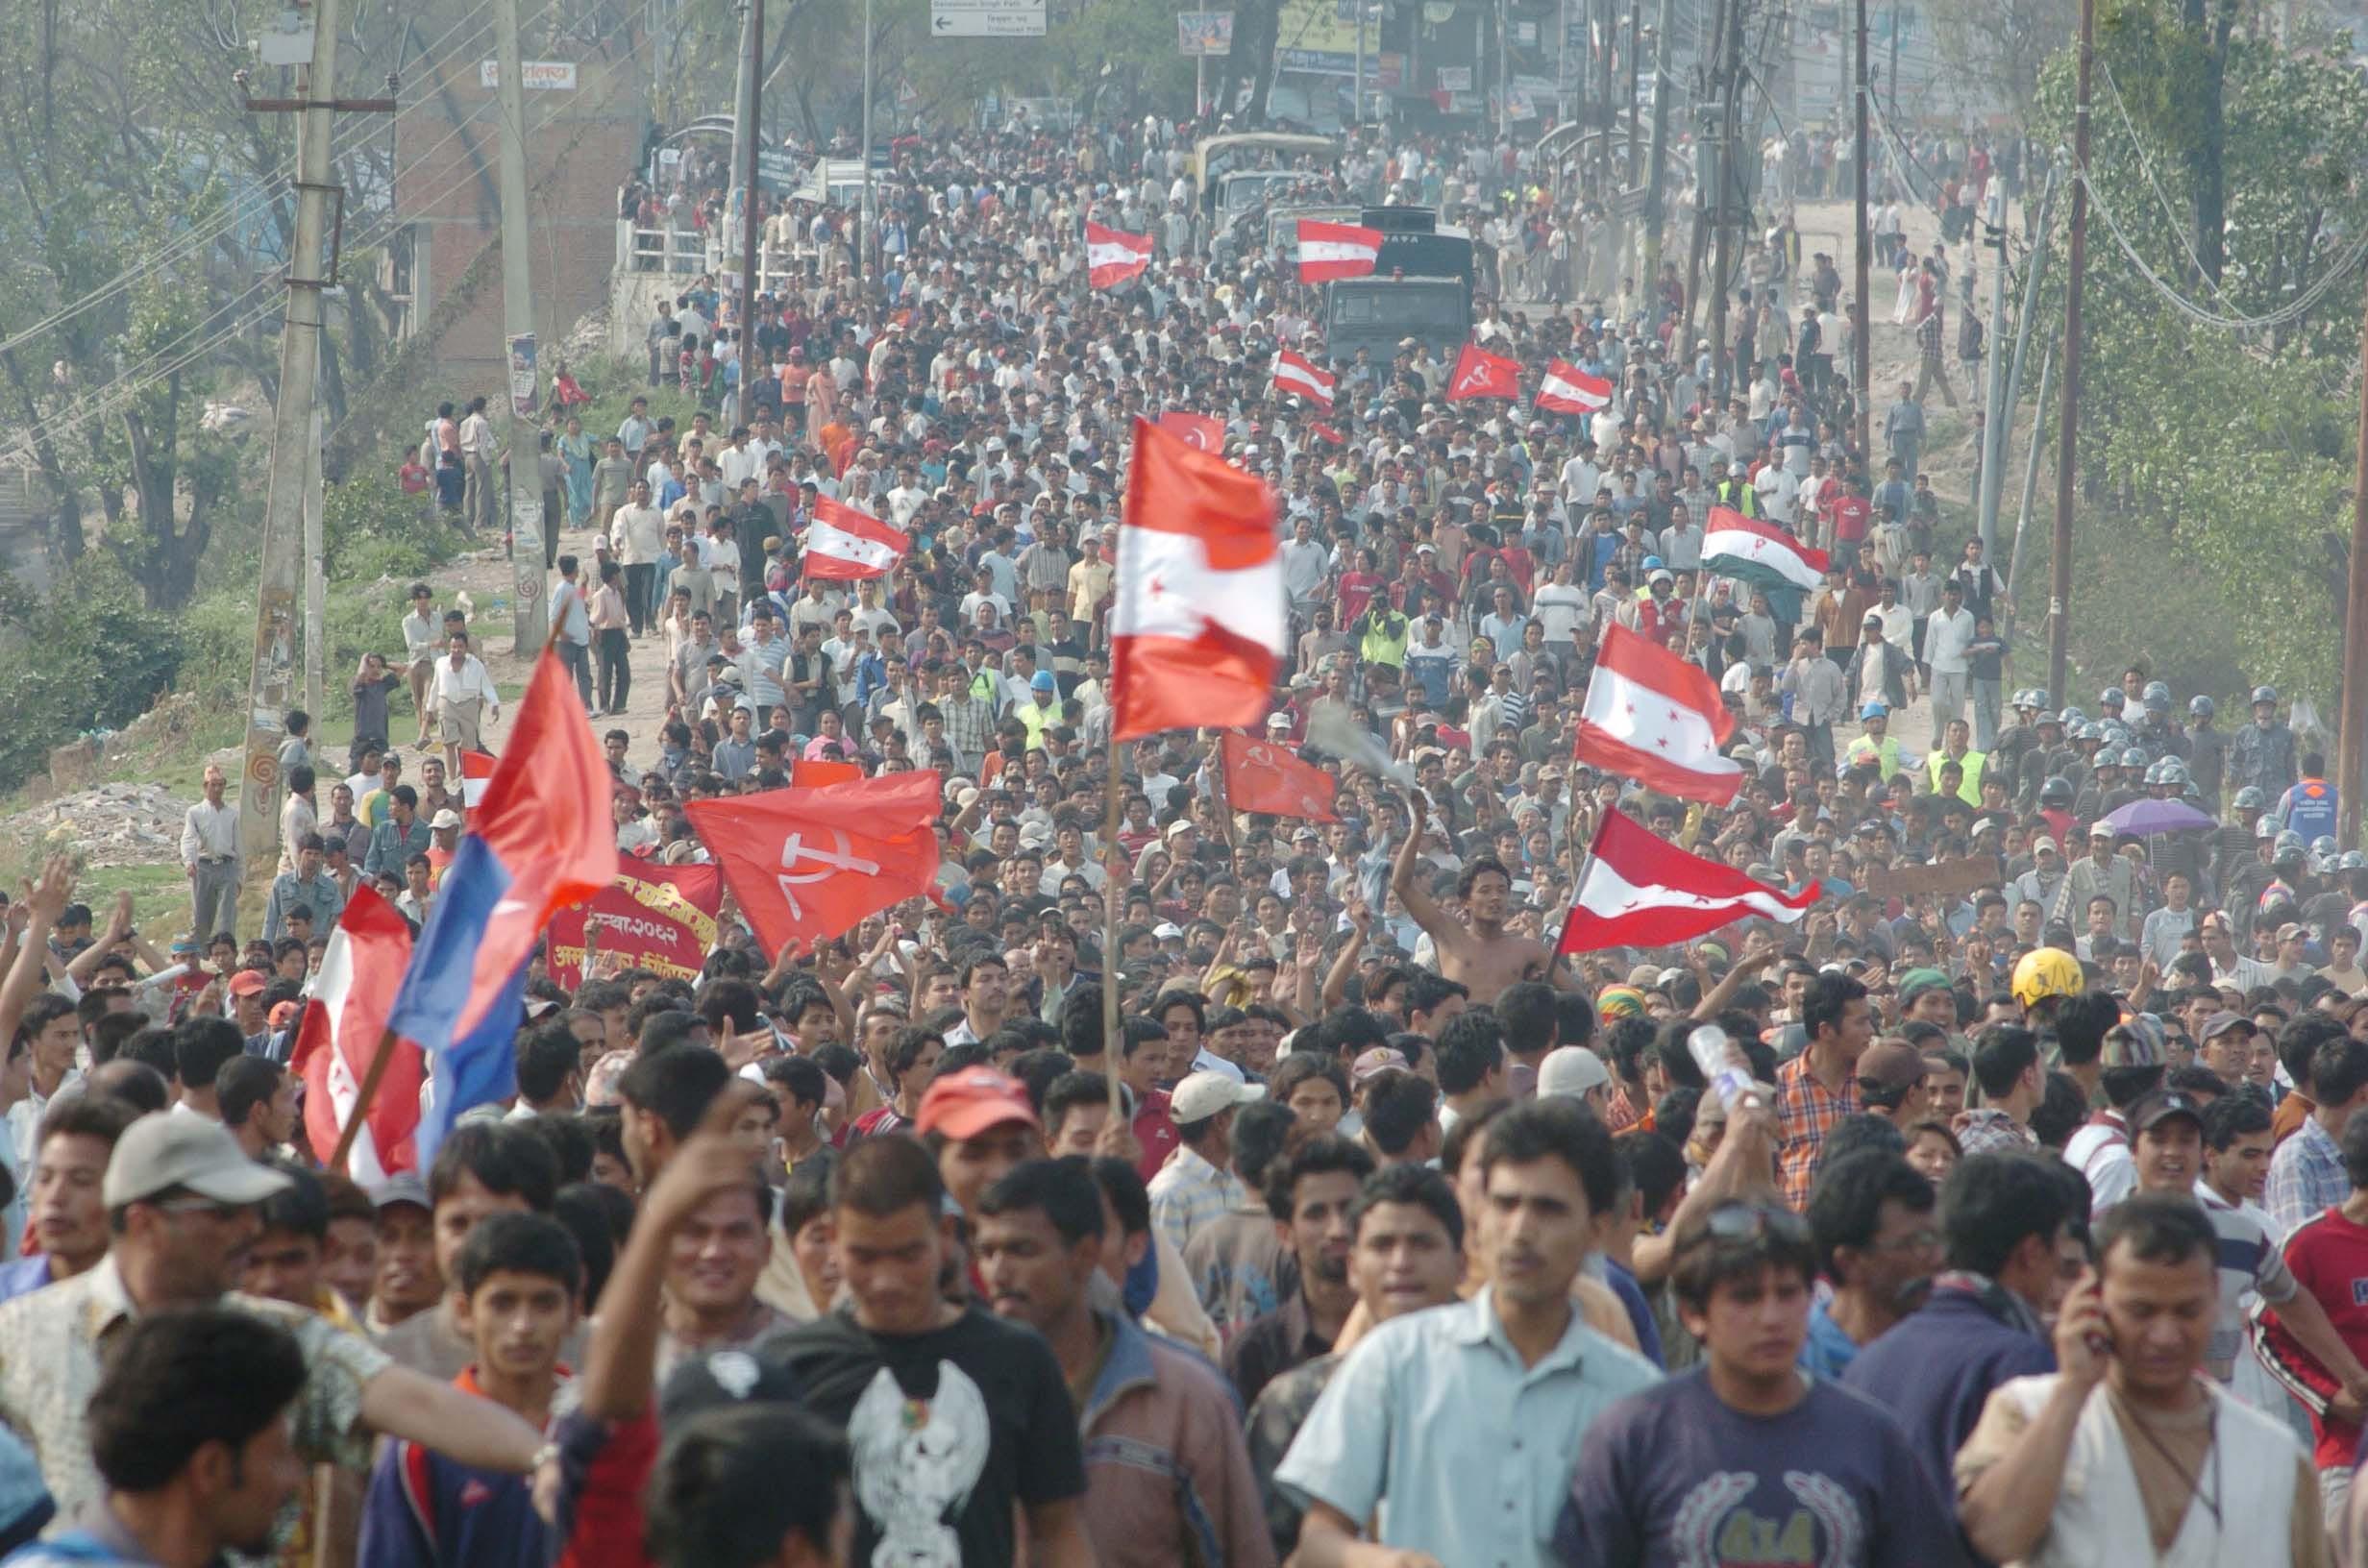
(1114, 897)
(370, 1081)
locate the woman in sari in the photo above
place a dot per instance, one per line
(576, 456)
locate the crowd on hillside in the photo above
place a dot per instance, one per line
(2006, 1205)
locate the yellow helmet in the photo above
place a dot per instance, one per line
(2044, 973)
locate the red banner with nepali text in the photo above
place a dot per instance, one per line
(657, 917)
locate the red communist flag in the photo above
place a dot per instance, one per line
(807, 865)
(1479, 374)
(1261, 776)
(1198, 630)
(1198, 431)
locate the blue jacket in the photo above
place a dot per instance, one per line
(1935, 1368)
(425, 1510)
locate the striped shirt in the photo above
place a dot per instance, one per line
(2250, 1265)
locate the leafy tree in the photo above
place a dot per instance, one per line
(2223, 457)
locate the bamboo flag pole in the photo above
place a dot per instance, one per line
(1113, 900)
(370, 1081)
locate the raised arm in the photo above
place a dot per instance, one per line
(1714, 1000)
(1417, 899)
(45, 901)
(621, 1364)
(1335, 979)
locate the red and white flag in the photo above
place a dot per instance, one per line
(1652, 717)
(845, 544)
(1261, 776)
(1479, 374)
(1197, 629)
(352, 997)
(1336, 250)
(475, 773)
(1570, 390)
(1295, 372)
(1113, 256)
(1637, 891)
(1199, 431)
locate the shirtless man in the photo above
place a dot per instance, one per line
(1476, 950)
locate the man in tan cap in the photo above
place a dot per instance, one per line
(181, 1201)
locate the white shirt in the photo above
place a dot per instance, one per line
(468, 681)
(1944, 641)
(421, 633)
(209, 831)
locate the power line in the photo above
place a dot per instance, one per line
(2293, 309)
(139, 370)
(248, 203)
(120, 392)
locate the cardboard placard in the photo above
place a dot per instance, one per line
(1958, 878)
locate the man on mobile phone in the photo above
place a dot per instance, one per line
(2126, 1443)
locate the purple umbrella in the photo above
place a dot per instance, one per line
(2151, 817)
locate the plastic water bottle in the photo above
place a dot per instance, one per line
(1715, 1055)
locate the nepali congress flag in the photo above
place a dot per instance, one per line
(1479, 374)
(1197, 631)
(1198, 431)
(1652, 717)
(352, 995)
(1295, 372)
(475, 773)
(1336, 250)
(845, 544)
(1263, 777)
(1570, 390)
(1755, 552)
(543, 840)
(1113, 256)
(808, 864)
(1639, 891)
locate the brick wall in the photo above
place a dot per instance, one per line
(580, 144)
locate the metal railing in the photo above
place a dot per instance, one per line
(675, 251)
(686, 252)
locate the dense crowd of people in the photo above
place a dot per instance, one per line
(2010, 1210)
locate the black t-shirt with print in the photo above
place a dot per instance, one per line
(949, 1430)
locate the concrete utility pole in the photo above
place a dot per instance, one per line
(271, 686)
(317, 571)
(529, 574)
(2067, 425)
(1728, 76)
(863, 240)
(750, 287)
(2013, 396)
(1657, 182)
(1994, 427)
(1862, 335)
(2352, 734)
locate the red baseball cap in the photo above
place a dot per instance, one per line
(246, 983)
(964, 1104)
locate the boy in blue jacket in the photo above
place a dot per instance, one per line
(518, 1295)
